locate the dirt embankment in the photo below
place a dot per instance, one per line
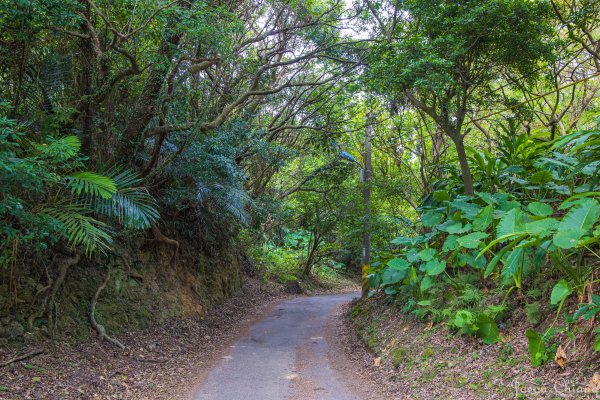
(161, 304)
(140, 283)
(162, 362)
(406, 359)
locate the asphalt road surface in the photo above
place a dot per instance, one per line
(283, 357)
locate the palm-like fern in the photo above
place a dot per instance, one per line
(81, 228)
(117, 194)
(91, 184)
(131, 204)
(233, 201)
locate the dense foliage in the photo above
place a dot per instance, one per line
(515, 226)
(541, 207)
(243, 126)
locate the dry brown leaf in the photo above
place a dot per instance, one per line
(377, 362)
(561, 357)
(505, 338)
(594, 385)
(391, 344)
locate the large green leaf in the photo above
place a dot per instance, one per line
(431, 218)
(541, 177)
(512, 222)
(402, 241)
(468, 210)
(390, 290)
(472, 240)
(398, 263)
(513, 261)
(488, 330)
(560, 292)
(441, 195)
(426, 283)
(484, 218)
(567, 239)
(537, 349)
(458, 228)
(427, 254)
(463, 318)
(543, 227)
(579, 196)
(375, 280)
(414, 278)
(392, 276)
(540, 209)
(508, 205)
(435, 267)
(412, 255)
(581, 217)
(487, 197)
(450, 243)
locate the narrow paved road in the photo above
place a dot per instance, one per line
(284, 356)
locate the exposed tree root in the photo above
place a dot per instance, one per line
(136, 276)
(159, 237)
(48, 302)
(22, 357)
(97, 327)
(129, 272)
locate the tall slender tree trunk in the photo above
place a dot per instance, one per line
(311, 255)
(367, 171)
(437, 143)
(465, 170)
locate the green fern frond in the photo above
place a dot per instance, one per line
(233, 201)
(57, 149)
(124, 177)
(72, 145)
(91, 184)
(81, 229)
(132, 205)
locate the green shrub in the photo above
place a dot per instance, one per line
(531, 213)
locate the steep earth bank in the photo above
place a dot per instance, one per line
(161, 362)
(146, 281)
(406, 359)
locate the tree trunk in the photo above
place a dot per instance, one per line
(465, 170)
(367, 171)
(437, 143)
(311, 255)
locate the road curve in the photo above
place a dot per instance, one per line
(284, 356)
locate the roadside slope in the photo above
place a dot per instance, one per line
(405, 359)
(163, 362)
